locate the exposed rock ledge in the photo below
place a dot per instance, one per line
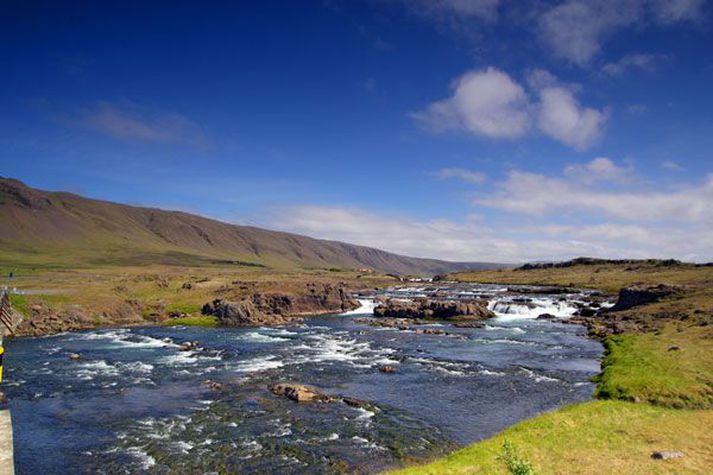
(276, 308)
(636, 295)
(434, 309)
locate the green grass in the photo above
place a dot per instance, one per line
(186, 308)
(197, 321)
(514, 462)
(598, 437)
(645, 367)
(19, 303)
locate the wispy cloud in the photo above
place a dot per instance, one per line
(576, 29)
(541, 195)
(135, 123)
(595, 208)
(600, 169)
(477, 240)
(468, 176)
(490, 103)
(671, 165)
(632, 62)
(573, 30)
(455, 9)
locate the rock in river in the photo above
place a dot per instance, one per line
(434, 309)
(300, 393)
(277, 308)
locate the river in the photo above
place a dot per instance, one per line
(135, 403)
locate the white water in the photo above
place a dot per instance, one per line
(367, 308)
(507, 309)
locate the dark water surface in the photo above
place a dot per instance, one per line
(135, 403)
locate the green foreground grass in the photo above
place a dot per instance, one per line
(672, 368)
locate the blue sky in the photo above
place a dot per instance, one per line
(459, 129)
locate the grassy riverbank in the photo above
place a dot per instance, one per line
(655, 392)
(155, 294)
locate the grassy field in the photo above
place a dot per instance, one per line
(672, 367)
(605, 277)
(655, 391)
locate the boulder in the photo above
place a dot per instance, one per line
(75, 356)
(278, 308)
(469, 324)
(300, 393)
(636, 295)
(666, 454)
(546, 316)
(213, 385)
(189, 346)
(387, 369)
(586, 312)
(434, 309)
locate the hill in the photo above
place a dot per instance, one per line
(63, 229)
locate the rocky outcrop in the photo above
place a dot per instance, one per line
(42, 319)
(591, 261)
(306, 394)
(276, 308)
(636, 295)
(300, 393)
(434, 309)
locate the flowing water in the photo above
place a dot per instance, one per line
(136, 403)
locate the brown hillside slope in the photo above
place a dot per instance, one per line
(39, 227)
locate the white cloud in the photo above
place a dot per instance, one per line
(443, 239)
(591, 209)
(467, 176)
(475, 240)
(484, 102)
(490, 103)
(643, 62)
(132, 122)
(576, 29)
(599, 169)
(561, 117)
(540, 195)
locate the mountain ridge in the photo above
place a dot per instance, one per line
(66, 228)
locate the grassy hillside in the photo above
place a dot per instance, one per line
(64, 230)
(608, 277)
(655, 392)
